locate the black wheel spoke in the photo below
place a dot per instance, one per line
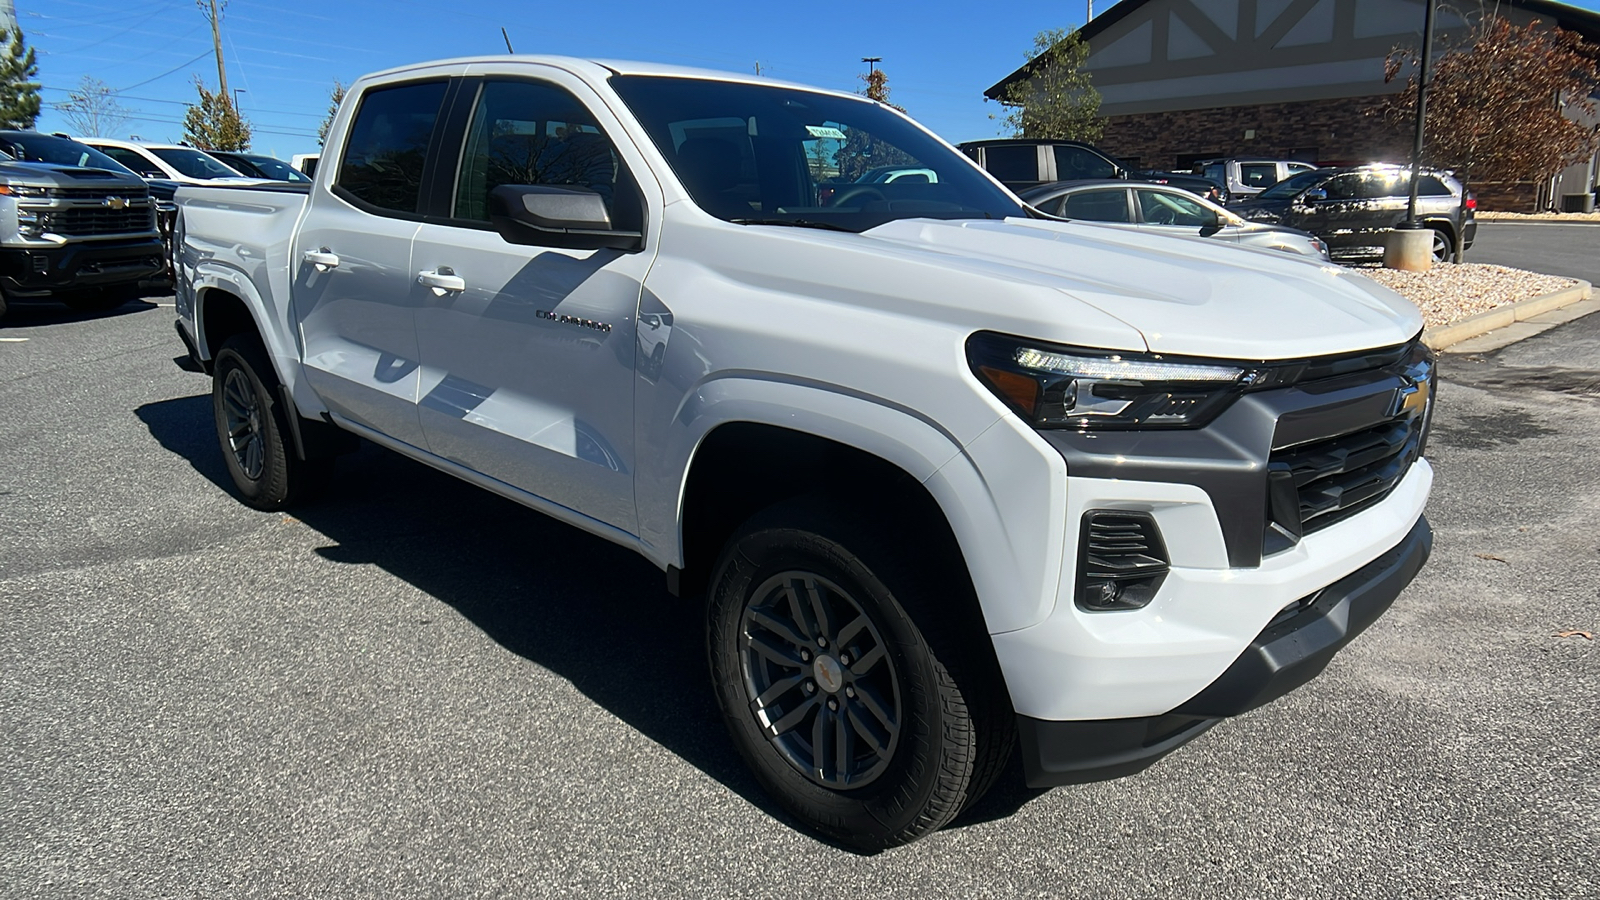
(793, 717)
(844, 743)
(862, 666)
(778, 689)
(783, 656)
(864, 729)
(779, 627)
(874, 704)
(800, 609)
(850, 630)
(819, 607)
(821, 744)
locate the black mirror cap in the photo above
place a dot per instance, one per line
(565, 216)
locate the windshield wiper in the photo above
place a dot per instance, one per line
(794, 223)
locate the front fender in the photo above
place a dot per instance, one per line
(997, 494)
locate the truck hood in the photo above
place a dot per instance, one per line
(1189, 296)
(38, 174)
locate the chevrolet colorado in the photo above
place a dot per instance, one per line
(952, 476)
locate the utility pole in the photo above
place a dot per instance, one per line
(758, 67)
(210, 8)
(1422, 112)
(1089, 18)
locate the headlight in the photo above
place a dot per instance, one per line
(1065, 388)
(17, 190)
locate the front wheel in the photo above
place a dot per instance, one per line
(1443, 246)
(254, 431)
(858, 721)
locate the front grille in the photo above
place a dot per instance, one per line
(1336, 478)
(88, 221)
(1314, 482)
(97, 193)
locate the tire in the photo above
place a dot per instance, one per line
(253, 430)
(911, 724)
(1444, 247)
(3, 304)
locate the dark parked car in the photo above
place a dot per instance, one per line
(1164, 209)
(258, 166)
(1352, 208)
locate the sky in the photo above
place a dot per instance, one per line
(283, 56)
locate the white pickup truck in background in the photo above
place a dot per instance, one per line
(952, 475)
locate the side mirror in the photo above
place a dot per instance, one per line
(556, 216)
(1315, 195)
(1211, 229)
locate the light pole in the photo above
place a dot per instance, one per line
(872, 63)
(236, 93)
(1409, 245)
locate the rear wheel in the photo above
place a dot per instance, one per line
(842, 684)
(253, 429)
(1443, 246)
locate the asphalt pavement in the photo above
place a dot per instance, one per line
(416, 689)
(1553, 248)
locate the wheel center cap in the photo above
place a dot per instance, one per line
(828, 673)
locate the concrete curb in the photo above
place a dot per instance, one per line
(1443, 336)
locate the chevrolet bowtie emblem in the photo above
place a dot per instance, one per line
(1411, 399)
(117, 202)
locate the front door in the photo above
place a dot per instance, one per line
(528, 352)
(1173, 213)
(351, 263)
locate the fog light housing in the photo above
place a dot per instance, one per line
(1121, 560)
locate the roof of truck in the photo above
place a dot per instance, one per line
(600, 69)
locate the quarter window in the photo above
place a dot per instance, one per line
(1012, 163)
(525, 132)
(1258, 176)
(388, 147)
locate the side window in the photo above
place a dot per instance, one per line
(1344, 187)
(1258, 175)
(1162, 208)
(1430, 186)
(388, 146)
(1013, 162)
(133, 161)
(1075, 162)
(526, 132)
(1216, 172)
(1097, 206)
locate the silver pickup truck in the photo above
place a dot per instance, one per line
(75, 227)
(954, 477)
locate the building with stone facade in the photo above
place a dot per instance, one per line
(1185, 80)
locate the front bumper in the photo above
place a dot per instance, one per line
(44, 270)
(1284, 656)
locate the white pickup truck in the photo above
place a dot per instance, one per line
(951, 475)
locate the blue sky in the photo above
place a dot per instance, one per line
(286, 54)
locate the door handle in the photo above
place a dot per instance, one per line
(324, 259)
(442, 280)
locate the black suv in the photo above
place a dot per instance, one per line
(1352, 208)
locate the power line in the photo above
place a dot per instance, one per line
(203, 55)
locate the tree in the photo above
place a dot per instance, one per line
(875, 86)
(213, 123)
(93, 109)
(1055, 100)
(19, 93)
(334, 100)
(1496, 97)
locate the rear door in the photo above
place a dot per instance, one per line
(352, 293)
(528, 352)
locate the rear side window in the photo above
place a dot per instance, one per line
(388, 147)
(1097, 206)
(1258, 175)
(1012, 163)
(1073, 163)
(1430, 186)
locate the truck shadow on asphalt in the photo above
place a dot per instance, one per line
(594, 613)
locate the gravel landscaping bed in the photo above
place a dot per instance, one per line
(1450, 293)
(1539, 217)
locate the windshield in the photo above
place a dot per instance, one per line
(762, 154)
(45, 148)
(193, 163)
(276, 169)
(1290, 186)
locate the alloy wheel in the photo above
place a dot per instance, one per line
(820, 680)
(241, 405)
